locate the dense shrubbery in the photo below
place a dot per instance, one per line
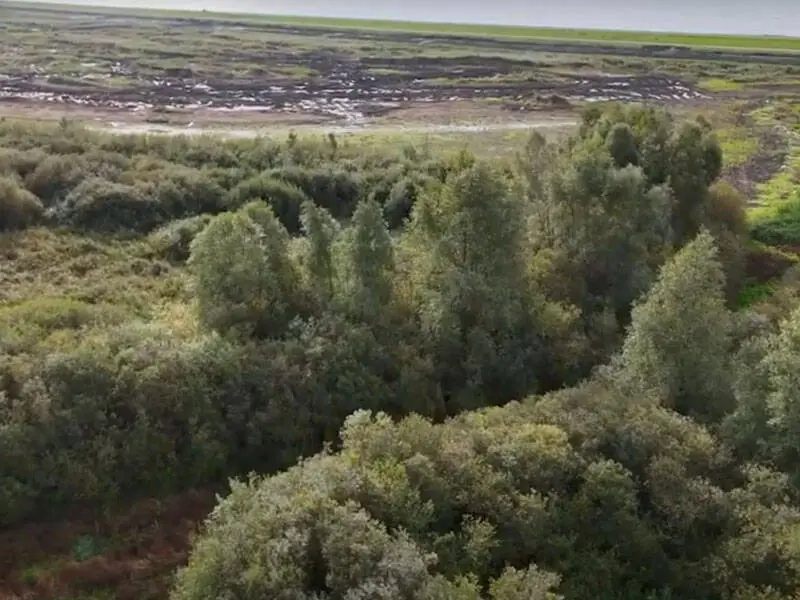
(326, 281)
(604, 490)
(175, 178)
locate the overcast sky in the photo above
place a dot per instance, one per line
(773, 17)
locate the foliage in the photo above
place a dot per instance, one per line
(537, 486)
(101, 205)
(545, 390)
(255, 293)
(18, 207)
(285, 198)
(766, 421)
(679, 337)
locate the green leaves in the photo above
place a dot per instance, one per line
(366, 264)
(255, 293)
(19, 208)
(678, 345)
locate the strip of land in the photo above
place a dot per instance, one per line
(781, 43)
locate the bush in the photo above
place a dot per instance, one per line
(173, 241)
(136, 409)
(18, 207)
(185, 192)
(101, 205)
(401, 200)
(285, 198)
(335, 190)
(377, 184)
(621, 498)
(125, 413)
(726, 209)
(24, 325)
(20, 163)
(56, 176)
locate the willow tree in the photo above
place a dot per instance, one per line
(466, 244)
(243, 278)
(679, 343)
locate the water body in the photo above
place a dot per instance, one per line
(748, 17)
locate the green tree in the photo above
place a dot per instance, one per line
(766, 422)
(695, 163)
(321, 231)
(679, 343)
(606, 228)
(243, 279)
(528, 584)
(621, 144)
(366, 263)
(466, 260)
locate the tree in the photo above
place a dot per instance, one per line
(321, 231)
(726, 219)
(605, 226)
(685, 157)
(465, 247)
(766, 423)
(243, 279)
(695, 163)
(678, 345)
(366, 263)
(621, 143)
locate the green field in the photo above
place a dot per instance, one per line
(771, 43)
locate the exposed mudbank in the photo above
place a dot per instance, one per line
(345, 76)
(349, 91)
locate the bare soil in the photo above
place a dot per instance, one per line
(346, 89)
(141, 548)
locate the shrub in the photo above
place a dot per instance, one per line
(19, 162)
(285, 198)
(173, 241)
(123, 413)
(619, 497)
(18, 207)
(726, 209)
(377, 183)
(101, 205)
(56, 176)
(335, 190)
(24, 325)
(136, 409)
(185, 192)
(401, 200)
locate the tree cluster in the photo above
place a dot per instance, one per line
(526, 379)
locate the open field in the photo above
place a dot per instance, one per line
(182, 68)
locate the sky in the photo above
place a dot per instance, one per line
(763, 17)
